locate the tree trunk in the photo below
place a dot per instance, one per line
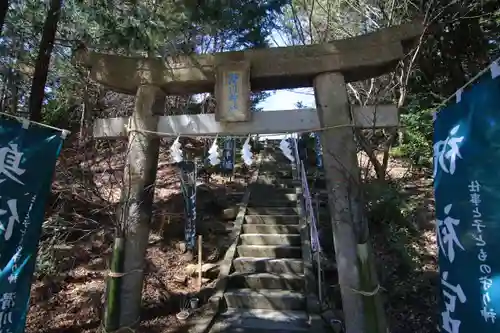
(137, 198)
(362, 304)
(43, 61)
(379, 168)
(4, 6)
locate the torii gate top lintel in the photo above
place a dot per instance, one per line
(357, 58)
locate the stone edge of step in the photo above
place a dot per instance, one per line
(268, 293)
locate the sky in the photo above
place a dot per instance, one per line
(287, 99)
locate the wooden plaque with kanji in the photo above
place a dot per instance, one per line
(232, 92)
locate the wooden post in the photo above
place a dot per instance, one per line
(363, 313)
(137, 198)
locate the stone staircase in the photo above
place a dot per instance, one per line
(267, 288)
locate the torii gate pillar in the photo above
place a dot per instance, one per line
(349, 225)
(137, 197)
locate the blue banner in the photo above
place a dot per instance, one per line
(228, 155)
(318, 150)
(27, 161)
(467, 193)
(190, 231)
(188, 186)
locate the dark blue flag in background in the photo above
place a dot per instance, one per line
(467, 192)
(27, 161)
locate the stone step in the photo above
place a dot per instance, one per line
(265, 299)
(272, 186)
(271, 202)
(272, 219)
(278, 184)
(269, 251)
(269, 180)
(218, 329)
(281, 169)
(235, 196)
(275, 179)
(272, 210)
(270, 173)
(271, 228)
(275, 166)
(268, 193)
(270, 239)
(258, 281)
(289, 193)
(259, 321)
(268, 265)
(284, 173)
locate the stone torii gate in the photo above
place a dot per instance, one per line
(326, 67)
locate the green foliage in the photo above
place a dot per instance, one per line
(417, 134)
(46, 264)
(240, 24)
(146, 28)
(126, 27)
(256, 98)
(387, 208)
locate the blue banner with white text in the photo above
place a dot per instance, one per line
(27, 162)
(467, 194)
(189, 175)
(318, 150)
(228, 155)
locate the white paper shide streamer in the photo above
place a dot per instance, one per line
(213, 154)
(286, 149)
(175, 151)
(246, 153)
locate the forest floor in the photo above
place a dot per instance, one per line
(407, 262)
(403, 232)
(71, 280)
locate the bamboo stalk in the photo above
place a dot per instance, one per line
(200, 243)
(372, 304)
(112, 312)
